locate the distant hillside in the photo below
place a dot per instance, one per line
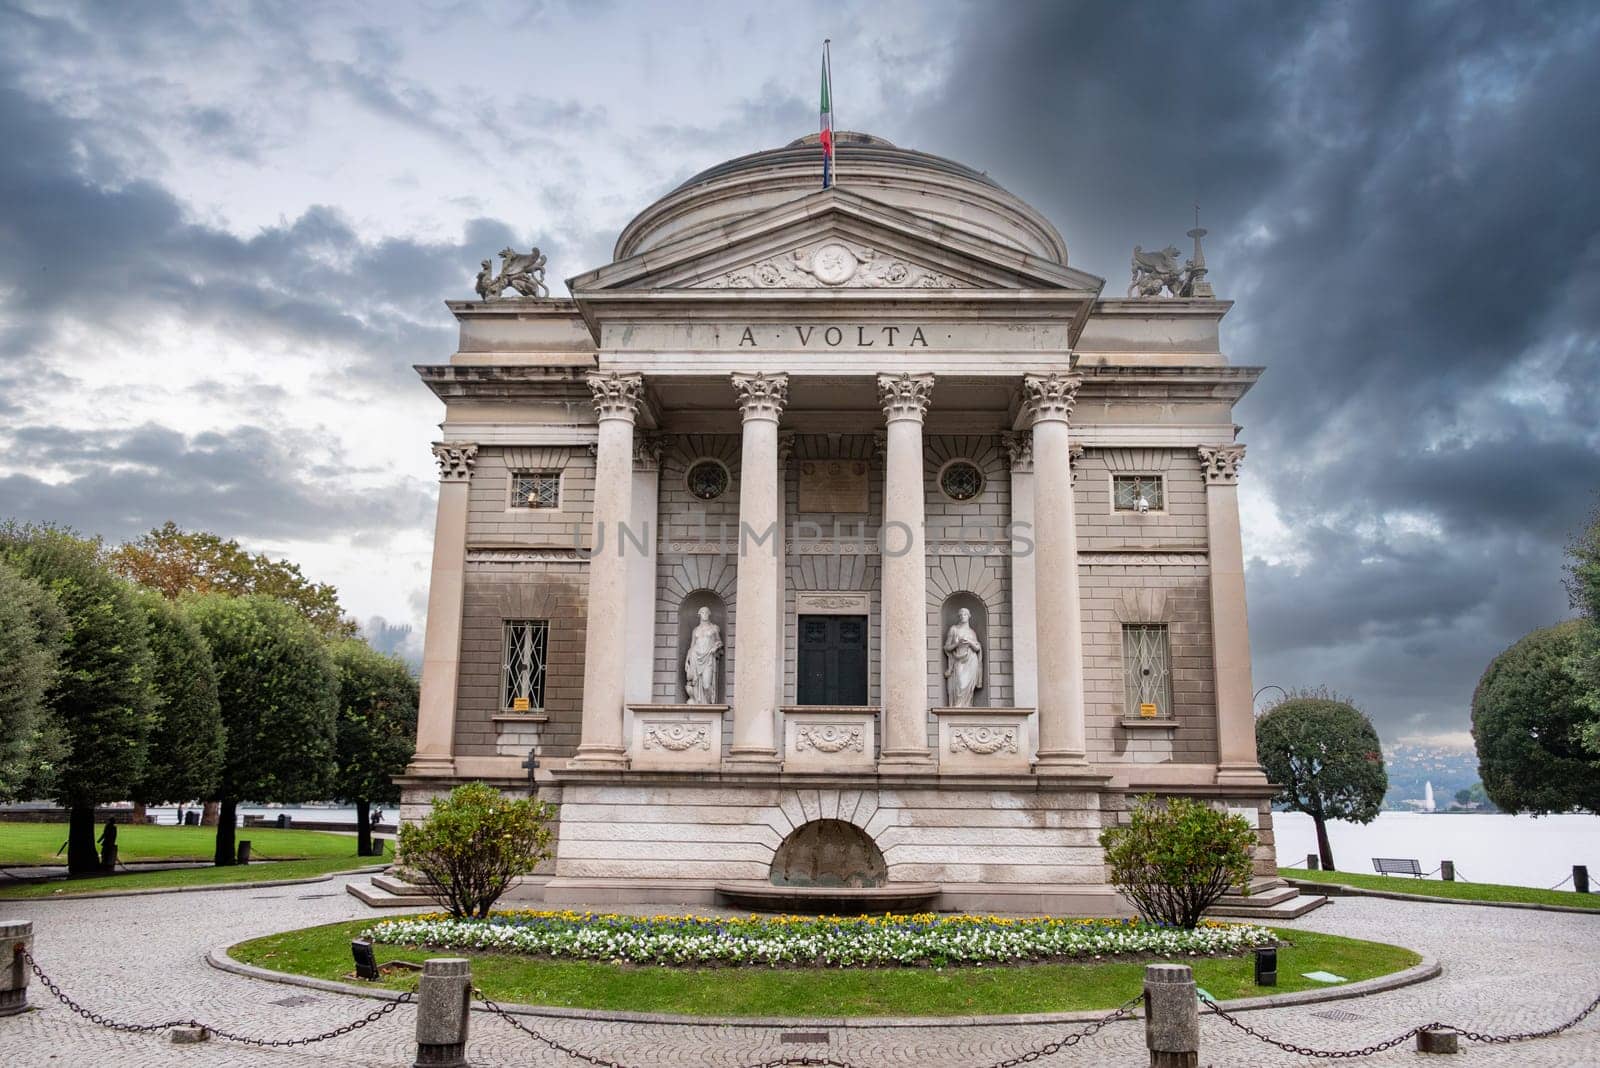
(1412, 766)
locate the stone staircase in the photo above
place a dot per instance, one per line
(392, 891)
(1271, 899)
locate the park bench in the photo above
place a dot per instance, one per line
(1397, 866)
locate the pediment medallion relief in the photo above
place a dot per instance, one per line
(834, 264)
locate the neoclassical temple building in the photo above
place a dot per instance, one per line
(840, 537)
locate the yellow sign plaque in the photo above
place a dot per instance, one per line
(1147, 711)
(520, 704)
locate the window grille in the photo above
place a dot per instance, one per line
(708, 480)
(1127, 489)
(536, 489)
(522, 675)
(1147, 668)
(961, 481)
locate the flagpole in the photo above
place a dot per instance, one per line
(827, 64)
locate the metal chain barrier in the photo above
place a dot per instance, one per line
(1367, 1051)
(1123, 1011)
(105, 1021)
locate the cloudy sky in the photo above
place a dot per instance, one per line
(227, 229)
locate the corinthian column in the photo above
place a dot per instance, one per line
(1062, 732)
(616, 402)
(905, 577)
(441, 643)
(758, 582)
(1230, 630)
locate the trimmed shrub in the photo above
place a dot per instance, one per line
(1175, 858)
(473, 844)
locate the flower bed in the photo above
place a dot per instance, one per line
(831, 941)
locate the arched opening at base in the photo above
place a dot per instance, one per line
(829, 853)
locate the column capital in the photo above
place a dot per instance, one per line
(1220, 463)
(905, 395)
(1050, 397)
(1019, 451)
(616, 395)
(455, 459)
(762, 396)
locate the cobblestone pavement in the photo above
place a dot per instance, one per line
(142, 959)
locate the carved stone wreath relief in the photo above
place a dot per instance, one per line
(984, 741)
(676, 737)
(829, 738)
(830, 265)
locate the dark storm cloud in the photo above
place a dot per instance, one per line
(246, 483)
(1402, 198)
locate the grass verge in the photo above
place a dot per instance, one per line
(324, 953)
(1401, 884)
(37, 843)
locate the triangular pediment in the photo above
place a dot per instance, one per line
(833, 240)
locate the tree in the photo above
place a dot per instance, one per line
(186, 742)
(32, 629)
(280, 702)
(100, 697)
(1583, 586)
(1175, 858)
(1529, 714)
(474, 843)
(377, 729)
(174, 561)
(1325, 756)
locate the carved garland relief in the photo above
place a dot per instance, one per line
(831, 265)
(676, 737)
(830, 737)
(983, 741)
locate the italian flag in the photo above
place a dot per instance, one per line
(827, 122)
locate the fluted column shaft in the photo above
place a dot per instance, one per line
(441, 644)
(616, 402)
(759, 583)
(1062, 731)
(905, 577)
(1230, 629)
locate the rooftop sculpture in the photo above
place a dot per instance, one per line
(523, 272)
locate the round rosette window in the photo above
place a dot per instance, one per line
(708, 479)
(961, 480)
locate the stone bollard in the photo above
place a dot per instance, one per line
(1437, 1041)
(1580, 878)
(1313, 862)
(243, 854)
(15, 936)
(444, 1006)
(1447, 871)
(1171, 1016)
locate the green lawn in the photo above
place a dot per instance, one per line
(1403, 884)
(300, 855)
(324, 952)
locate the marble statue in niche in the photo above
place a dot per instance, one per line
(700, 662)
(963, 661)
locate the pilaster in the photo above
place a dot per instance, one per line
(905, 399)
(1230, 631)
(441, 644)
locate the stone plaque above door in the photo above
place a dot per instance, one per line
(837, 486)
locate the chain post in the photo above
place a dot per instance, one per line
(444, 1010)
(1172, 1016)
(17, 936)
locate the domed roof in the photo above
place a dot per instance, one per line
(933, 187)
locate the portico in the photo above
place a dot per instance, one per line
(854, 512)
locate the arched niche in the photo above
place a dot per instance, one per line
(688, 619)
(829, 853)
(980, 623)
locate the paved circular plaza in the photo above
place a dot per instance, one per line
(143, 959)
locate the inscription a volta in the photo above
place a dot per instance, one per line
(842, 337)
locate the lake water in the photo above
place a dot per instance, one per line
(1516, 850)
